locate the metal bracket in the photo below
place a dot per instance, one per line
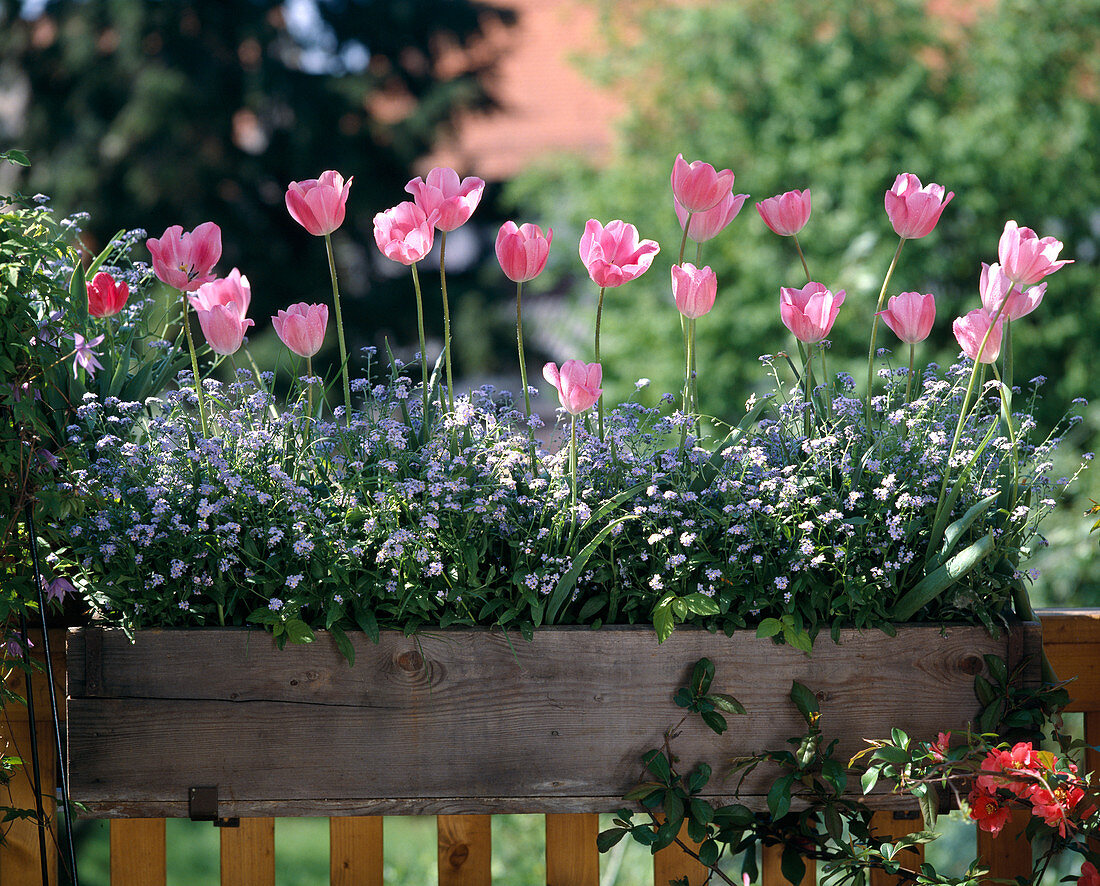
(202, 805)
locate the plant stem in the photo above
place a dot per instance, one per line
(599, 317)
(194, 367)
(909, 376)
(339, 330)
(523, 373)
(692, 375)
(423, 350)
(798, 246)
(874, 330)
(684, 239)
(309, 384)
(573, 464)
(446, 322)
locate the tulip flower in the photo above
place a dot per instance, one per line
(786, 214)
(910, 316)
(84, 355)
(106, 296)
(578, 387)
(697, 186)
(996, 289)
(914, 209)
(317, 204)
(186, 261)
(522, 250)
(1025, 257)
(231, 290)
(709, 223)
(445, 200)
(978, 336)
(614, 255)
(301, 327)
(809, 312)
(694, 289)
(224, 327)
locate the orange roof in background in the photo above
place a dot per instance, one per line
(547, 104)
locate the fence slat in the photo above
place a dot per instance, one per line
(355, 851)
(1007, 855)
(888, 827)
(248, 853)
(771, 870)
(19, 861)
(465, 847)
(138, 852)
(672, 862)
(571, 855)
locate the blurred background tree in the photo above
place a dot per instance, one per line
(1000, 106)
(148, 114)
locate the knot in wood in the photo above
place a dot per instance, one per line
(971, 664)
(410, 661)
(458, 854)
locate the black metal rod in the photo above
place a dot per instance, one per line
(36, 772)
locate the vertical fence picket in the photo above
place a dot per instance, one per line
(571, 855)
(465, 849)
(138, 852)
(248, 853)
(888, 827)
(1092, 758)
(672, 863)
(771, 868)
(1008, 855)
(355, 851)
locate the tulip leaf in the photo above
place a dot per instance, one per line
(935, 583)
(566, 583)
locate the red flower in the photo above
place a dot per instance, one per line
(987, 811)
(1089, 875)
(938, 748)
(1054, 806)
(1022, 761)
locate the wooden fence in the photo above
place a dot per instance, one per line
(137, 846)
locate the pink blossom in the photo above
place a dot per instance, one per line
(84, 355)
(938, 749)
(614, 255)
(403, 233)
(186, 261)
(914, 209)
(577, 384)
(809, 312)
(971, 330)
(697, 186)
(301, 327)
(995, 288)
(317, 204)
(706, 225)
(786, 214)
(223, 327)
(447, 202)
(910, 315)
(106, 296)
(522, 250)
(233, 289)
(694, 289)
(1025, 257)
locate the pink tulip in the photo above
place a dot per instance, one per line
(914, 209)
(786, 214)
(302, 327)
(910, 315)
(995, 288)
(971, 330)
(578, 384)
(106, 296)
(697, 186)
(1025, 257)
(404, 233)
(809, 312)
(706, 225)
(694, 289)
(231, 290)
(317, 204)
(522, 250)
(224, 327)
(446, 201)
(186, 261)
(614, 255)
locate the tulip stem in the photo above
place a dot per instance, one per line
(339, 330)
(874, 331)
(309, 384)
(523, 374)
(573, 464)
(446, 322)
(194, 367)
(599, 403)
(684, 239)
(692, 379)
(801, 256)
(909, 376)
(825, 380)
(423, 350)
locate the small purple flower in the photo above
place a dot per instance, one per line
(274, 604)
(84, 355)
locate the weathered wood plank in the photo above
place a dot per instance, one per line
(672, 863)
(465, 850)
(572, 858)
(562, 729)
(888, 827)
(19, 856)
(248, 853)
(138, 852)
(771, 868)
(1071, 638)
(1008, 855)
(355, 851)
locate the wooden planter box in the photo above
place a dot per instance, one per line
(461, 721)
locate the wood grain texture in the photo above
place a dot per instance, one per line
(465, 850)
(888, 827)
(771, 868)
(355, 851)
(1071, 638)
(1008, 855)
(248, 853)
(672, 863)
(560, 729)
(138, 852)
(572, 858)
(19, 856)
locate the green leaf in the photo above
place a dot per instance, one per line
(662, 621)
(805, 701)
(700, 775)
(298, 631)
(957, 529)
(779, 797)
(708, 852)
(715, 721)
(929, 809)
(701, 810)
(701, 604)
(640, 792)
(16, 157)
(343, 643)
(674, 809)
(565, 584)
(657, 763)
(997, 668)
(792, 865)
(935, 583)
(833, 824)
(769, 627)
(869, 779)
(263, 616)
(702, 675)
(726, 703)
(984, 690)
(606, 839)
